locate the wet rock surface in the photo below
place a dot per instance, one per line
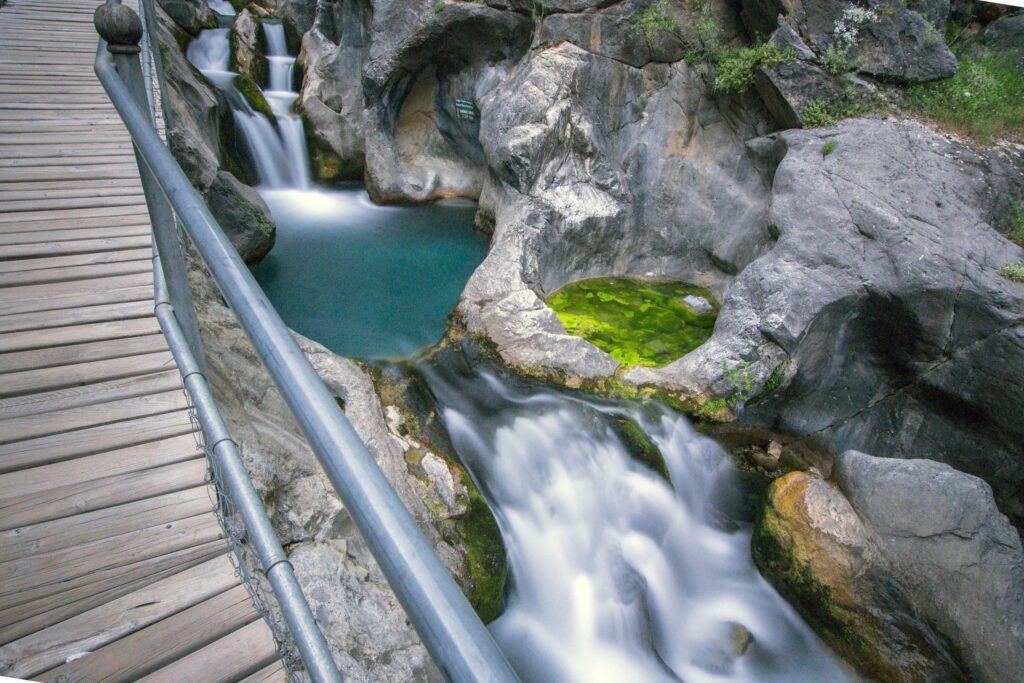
(907, 567)
(198, 115)
(357, 611)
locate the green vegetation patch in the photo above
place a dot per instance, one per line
(485, 554)
(984, 99)
(735, 68)
(1013, 271)
(638, 322)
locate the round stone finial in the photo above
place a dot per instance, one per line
(120, 26)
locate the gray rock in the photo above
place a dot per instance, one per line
(331, 98)
(189, 15)
(786, 38)
(881, 39)
(958, 557)
(358, 613)
(247, 52)
(698, 304)
(418, 145)
(598, 168)
(193, 134)
(1005, 33)
(789, 86)
(243, 215)
(882, 291)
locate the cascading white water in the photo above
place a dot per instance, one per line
(222, 7)
(278, 155)
(616, 574)
(281, 99)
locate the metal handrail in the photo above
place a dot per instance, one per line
(457, 640)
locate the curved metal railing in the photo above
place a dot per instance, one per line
(457, 640)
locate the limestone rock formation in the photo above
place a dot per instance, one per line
(331, 99)
(906, 566)
(247, 52)
(357, 611)
(196, 118)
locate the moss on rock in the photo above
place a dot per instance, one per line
(254, 96)
(638, 322)
(640, 445)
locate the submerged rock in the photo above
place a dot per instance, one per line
(906, 567)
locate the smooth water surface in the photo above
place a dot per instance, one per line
(363, 280)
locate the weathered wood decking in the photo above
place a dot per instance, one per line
(112, 563)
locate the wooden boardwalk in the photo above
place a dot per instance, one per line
(112, 564)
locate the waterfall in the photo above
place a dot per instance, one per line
(279, 155)
(615, 573)
(281, 99)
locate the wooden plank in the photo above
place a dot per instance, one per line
(76, 316)
(274, 673)
(57, 295)
(15, 175)
(18, 622)
(91, 630)
(70, 419)
(235, 656)
(54, 296)
(18, 577)
(46, 379)
(75, 260)
(84, 223)
(19, 216)
(21, 251)
(63, 533)
(73, 334)
(99, 466)
(94, 494)
(69, 203)
(67, 274)
(29, 237)
(91, 351)
(101, 392)
(44, 450)
(162, 643)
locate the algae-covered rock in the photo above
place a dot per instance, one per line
(243, 215)
(247, 52)
(811, 545)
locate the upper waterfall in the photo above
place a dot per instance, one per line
(278, 154)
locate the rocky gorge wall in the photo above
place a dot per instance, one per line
(857, 266)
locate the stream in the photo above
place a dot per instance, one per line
(615, 573)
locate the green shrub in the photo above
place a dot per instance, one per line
(707, 33)
(735, 68)
(654, 19)
(984, 99)
(1013, 271)
(820, 113)
(836, 59)
(828, 148)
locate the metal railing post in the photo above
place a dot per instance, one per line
(124, 29)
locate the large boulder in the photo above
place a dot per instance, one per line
(331, 98)
(598, 168)
(243, 215)
(879, 306)
(907, 567)
(189, 15)
(428, 68)
(811, 545)
(247, 48)
(362, 620)
(896, 41)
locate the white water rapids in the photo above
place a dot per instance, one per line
(617, 575)
(278, 155)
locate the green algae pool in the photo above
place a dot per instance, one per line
(638, 322)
